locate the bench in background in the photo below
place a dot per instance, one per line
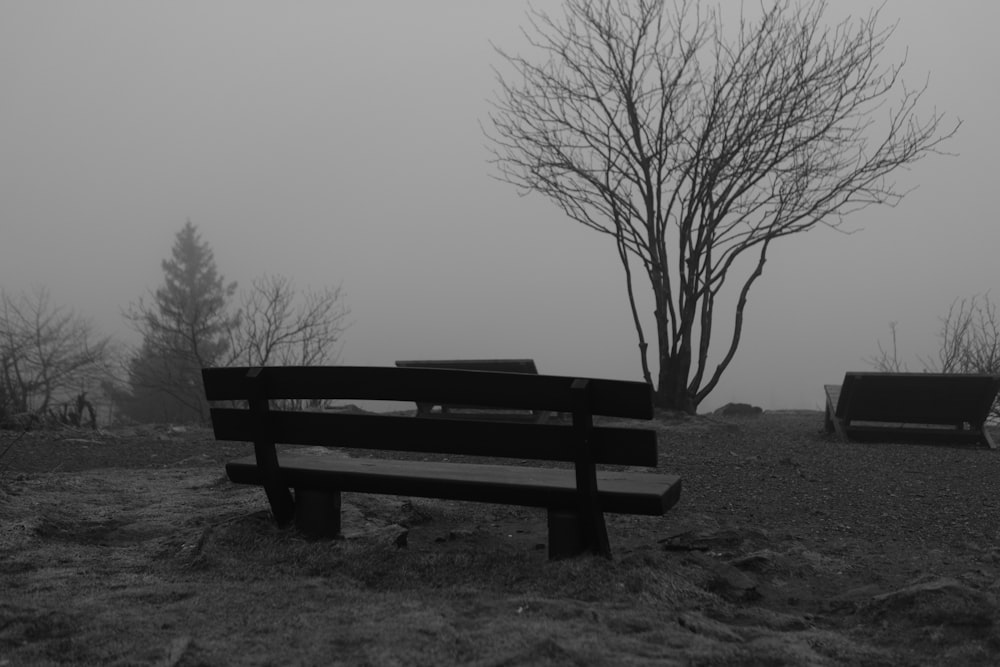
(575, 496)
(943, 407)
(496, 365)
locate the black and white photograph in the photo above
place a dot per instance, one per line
(527, 332)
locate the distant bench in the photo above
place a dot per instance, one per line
(575, 497)
(942, 407)
(497, 365)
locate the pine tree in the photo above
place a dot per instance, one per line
(184, 328)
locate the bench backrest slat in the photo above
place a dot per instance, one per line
(529, 441)
(917, 398)
(612, 398)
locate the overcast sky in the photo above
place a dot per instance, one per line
(339, 143)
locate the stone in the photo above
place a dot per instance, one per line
(738, 410)
(940, 602)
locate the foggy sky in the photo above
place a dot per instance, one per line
(339, 143)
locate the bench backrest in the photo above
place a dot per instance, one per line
(559, 442)
(498, 365)
(917, 398)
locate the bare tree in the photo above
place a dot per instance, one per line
(49, 356)
(695, 145)
(970, 337)
(278, 327)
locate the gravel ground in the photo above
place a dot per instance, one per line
(779, 470)
(907, 508)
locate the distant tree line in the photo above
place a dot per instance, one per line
(196, 319)
(53, 366)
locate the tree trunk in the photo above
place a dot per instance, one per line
(672, 390)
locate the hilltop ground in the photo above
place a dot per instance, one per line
(128, 546)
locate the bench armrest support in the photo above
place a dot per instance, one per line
(595, 533)
(278, 495)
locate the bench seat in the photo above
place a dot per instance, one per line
(629, 492)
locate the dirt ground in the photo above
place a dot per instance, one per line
(129, 547)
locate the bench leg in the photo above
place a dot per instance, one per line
(987, 438)
(830, 420)
(317, 513)
(565, 534)
(833, 424)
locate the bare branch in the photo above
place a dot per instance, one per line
(277, 328)
(886, 362)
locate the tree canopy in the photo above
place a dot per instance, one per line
(695, 143)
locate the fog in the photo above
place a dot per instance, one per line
(340, 143)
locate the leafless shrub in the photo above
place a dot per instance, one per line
(278, 326)
(887, 361)
(49, 358)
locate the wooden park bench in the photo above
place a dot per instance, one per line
(497, 365)
(576, 496)
(943, 407)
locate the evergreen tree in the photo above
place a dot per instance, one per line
(184, 328)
